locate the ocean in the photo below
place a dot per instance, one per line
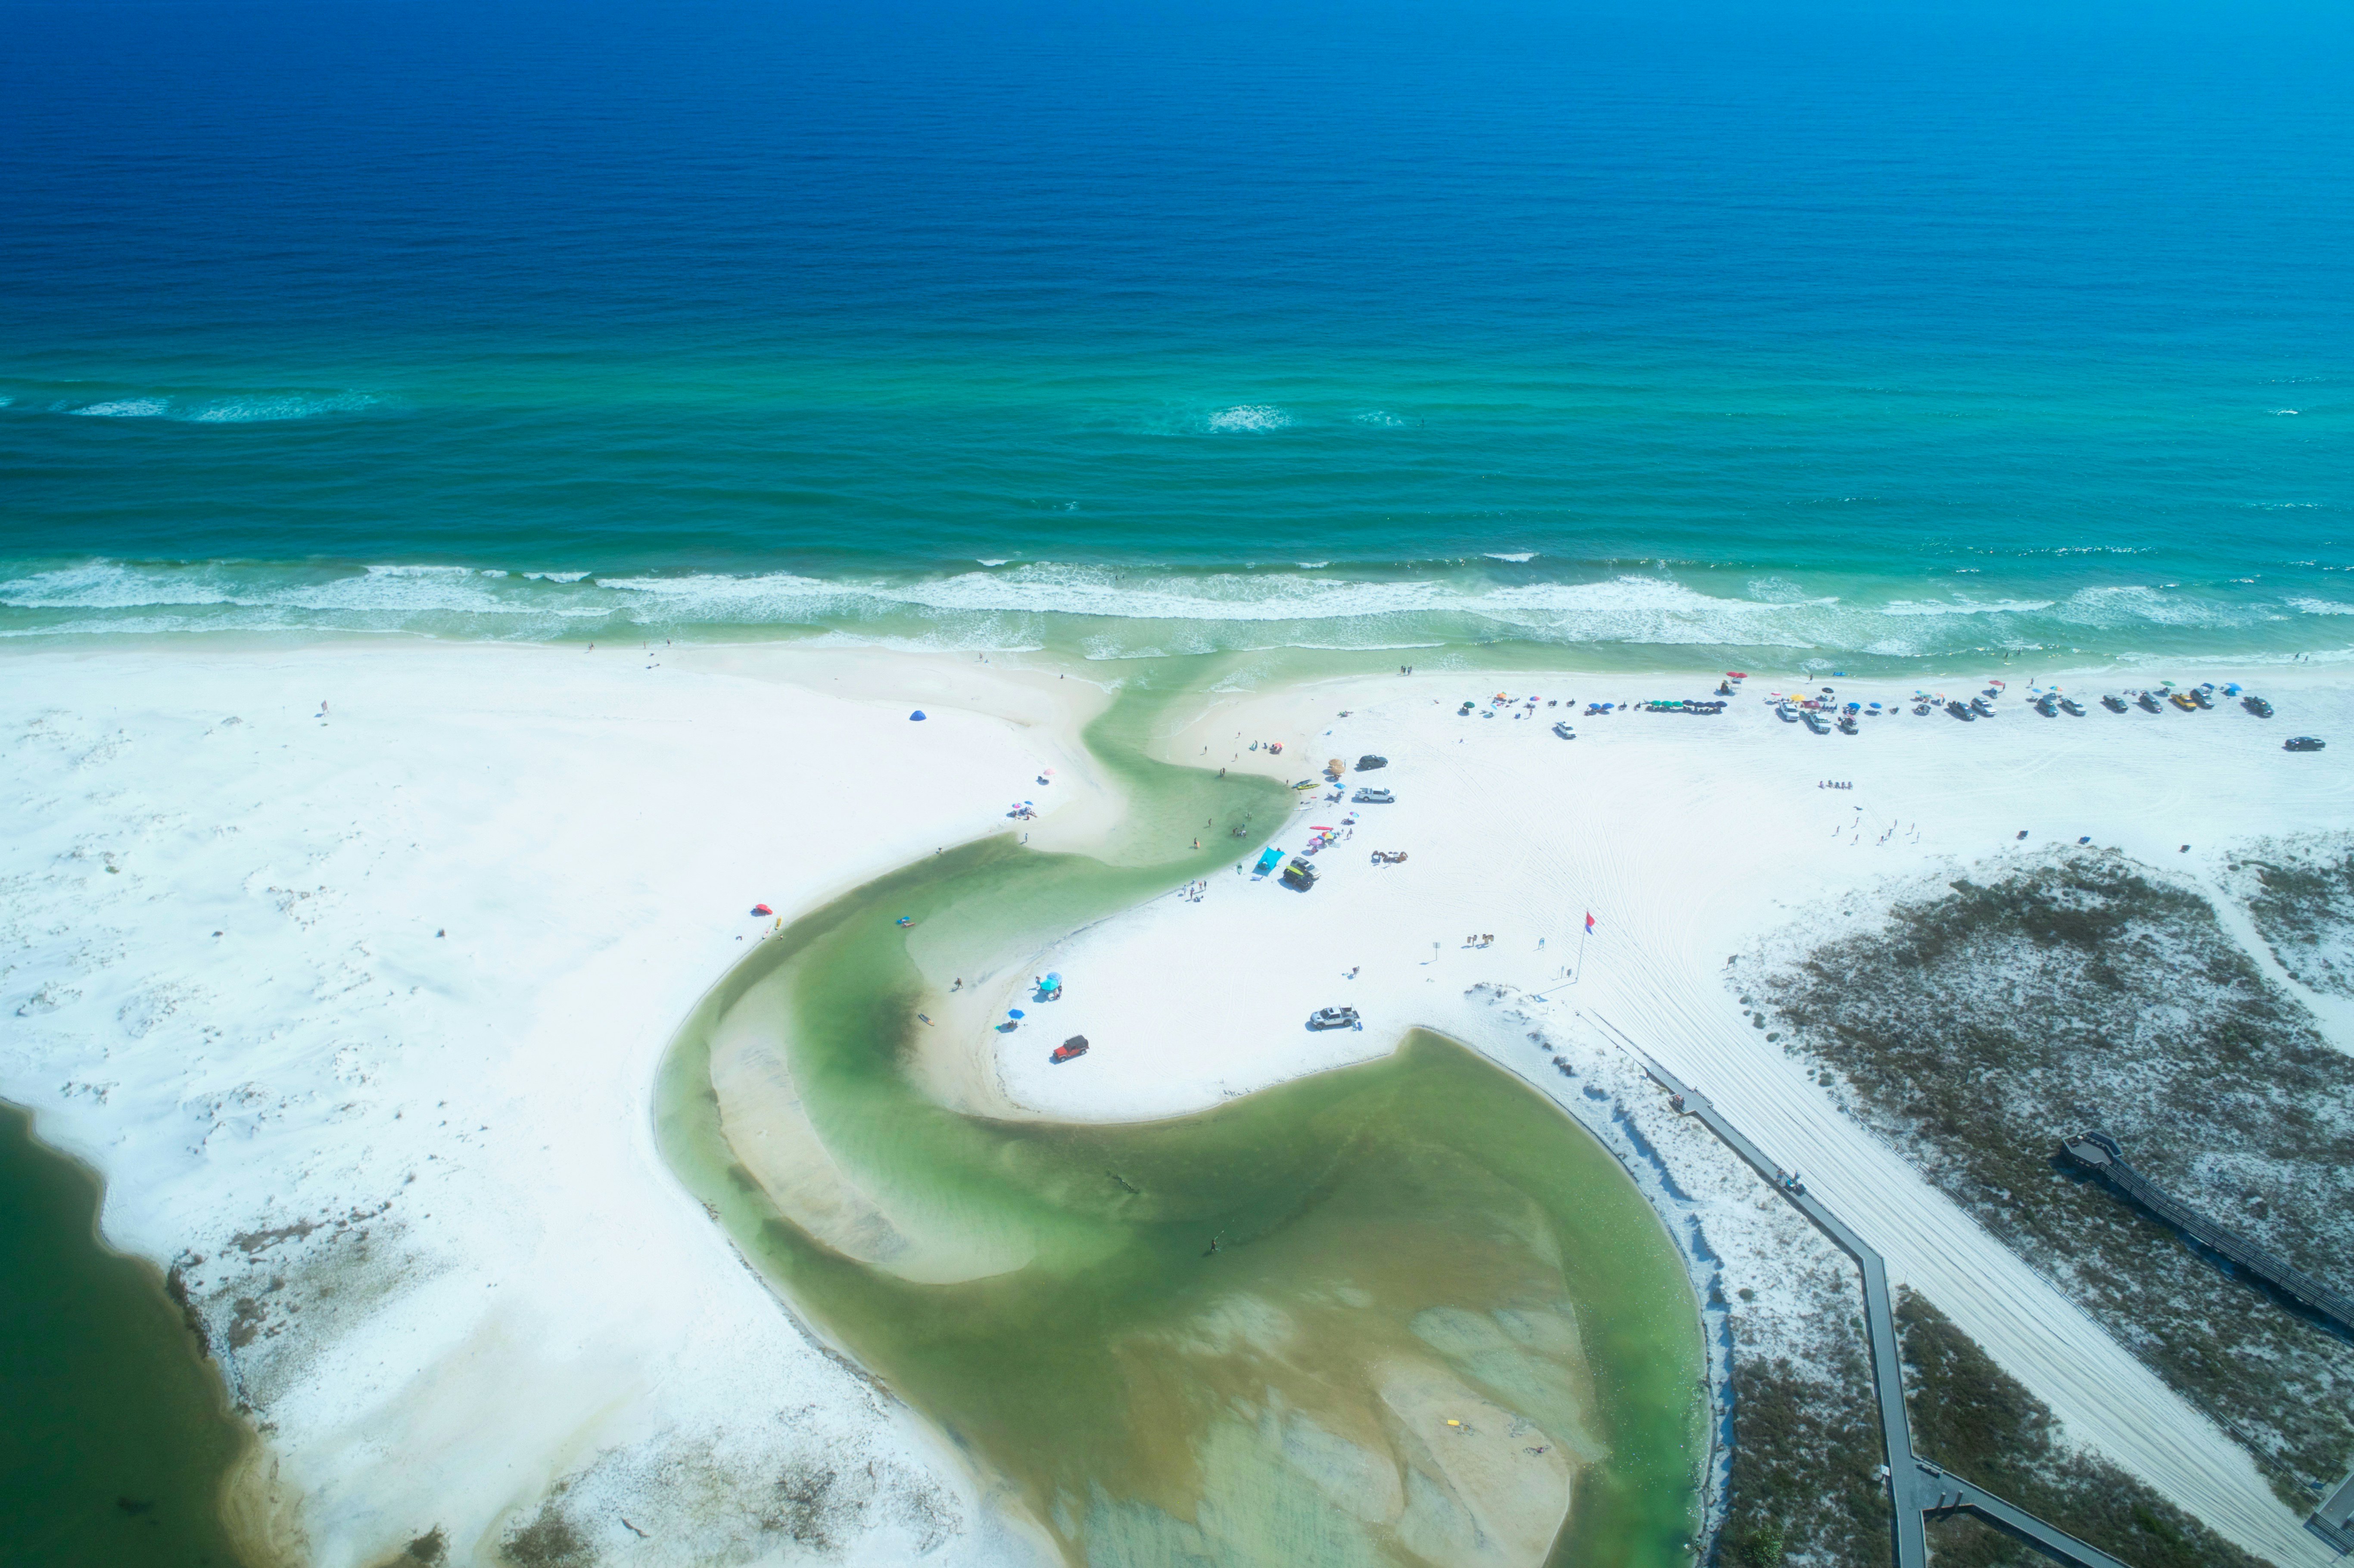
(1804, 336)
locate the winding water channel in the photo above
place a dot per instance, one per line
(1406, 1312)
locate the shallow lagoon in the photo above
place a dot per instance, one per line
(1404, 1312)
(118, 1434)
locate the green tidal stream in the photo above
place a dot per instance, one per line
(1406, 1312)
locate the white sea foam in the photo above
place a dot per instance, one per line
(2143, 604)
(1381, 419)
(2320, 607)
(240, 408)
(1965, 607)
(125, 408)
(1249, 416)
(1111, 611)
(279, 406)
(1512, 555)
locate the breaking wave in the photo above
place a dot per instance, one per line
(210, 408)
(1127, 612)
(1249, 416)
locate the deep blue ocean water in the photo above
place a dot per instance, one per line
(1805, 333)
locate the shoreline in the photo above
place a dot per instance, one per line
(655, 787)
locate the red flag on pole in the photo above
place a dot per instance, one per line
(1589, 924)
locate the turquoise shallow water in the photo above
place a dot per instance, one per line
(1777, 335)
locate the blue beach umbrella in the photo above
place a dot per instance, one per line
(1013, 1012)
(916, 717)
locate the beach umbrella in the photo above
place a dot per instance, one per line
(918, 715)
(1013, 1012)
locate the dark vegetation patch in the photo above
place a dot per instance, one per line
(1806, 1459)
(1975, 1420)
(550, 1541)
(2300, 894)
(433, 1548)
(812, 1507)
(1984, 1021)
(251, 1242)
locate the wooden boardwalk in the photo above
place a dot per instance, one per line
(2098, 1153)
(1918, 1487)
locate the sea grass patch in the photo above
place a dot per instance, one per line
(1975, 1021)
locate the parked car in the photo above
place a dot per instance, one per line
(1334, 1018)
(2303, 743)
(1368, 762)
(2256, 706)
(1298, 875)
(1373, 798)
(1561, 727)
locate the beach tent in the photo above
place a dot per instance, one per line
(917, 715)
(762, 909)
(1269, 861)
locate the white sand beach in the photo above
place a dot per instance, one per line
(371, 998)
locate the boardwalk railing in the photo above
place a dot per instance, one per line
(1917, 1489)
(2098, 1152)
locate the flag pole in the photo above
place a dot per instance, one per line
(1578, 973)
